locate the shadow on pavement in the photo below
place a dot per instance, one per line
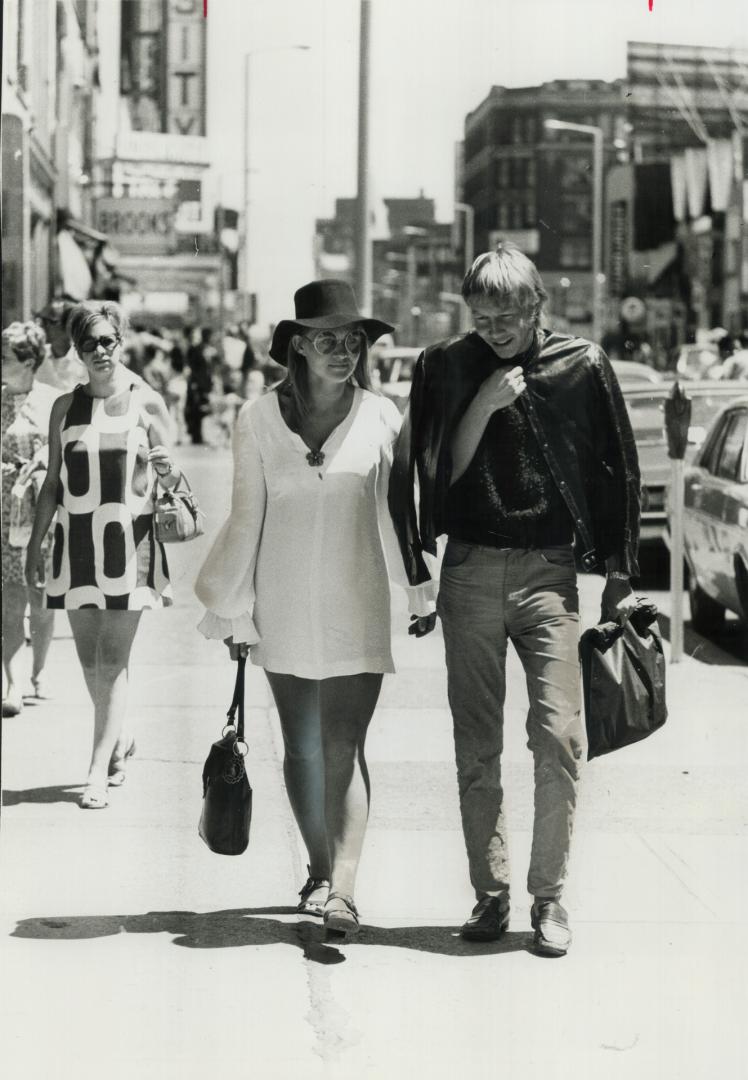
(57, 793)
(251, 926)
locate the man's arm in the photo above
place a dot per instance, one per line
(500, 389)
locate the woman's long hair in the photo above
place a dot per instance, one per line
(294, 388)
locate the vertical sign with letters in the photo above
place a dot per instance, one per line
(185, 68)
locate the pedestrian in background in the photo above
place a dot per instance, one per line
(522, 445)
(176, 395)
(199, 385)
(26, 410)
(299, 577)
(107, 448)
(61, 367)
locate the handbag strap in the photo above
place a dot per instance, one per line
(238, 699)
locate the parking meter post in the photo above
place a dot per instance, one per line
(677, 422)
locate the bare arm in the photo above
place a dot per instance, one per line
(500, 389)
(46, 503)
(159, 438)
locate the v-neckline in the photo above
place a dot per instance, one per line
(341, 429)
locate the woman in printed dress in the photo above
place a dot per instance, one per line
(26, 407)
(107, 446)
(298, 575)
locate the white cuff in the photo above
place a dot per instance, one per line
(241, 629)
(421, 598)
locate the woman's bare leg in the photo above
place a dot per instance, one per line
(297, 701)
(103, 640)
(347, 705)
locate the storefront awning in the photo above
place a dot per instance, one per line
(75, 273)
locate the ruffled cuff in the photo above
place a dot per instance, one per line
(421, 598)
(241, 629)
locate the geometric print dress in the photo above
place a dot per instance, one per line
(105, 553)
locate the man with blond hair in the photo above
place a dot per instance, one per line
(524, 456)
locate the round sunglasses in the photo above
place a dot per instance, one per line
(326, 342)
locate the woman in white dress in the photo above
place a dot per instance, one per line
(299, 574)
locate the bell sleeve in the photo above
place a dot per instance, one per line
(421, 597)
(225, 583)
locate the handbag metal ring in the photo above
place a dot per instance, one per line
(237, 751)
(229, 727)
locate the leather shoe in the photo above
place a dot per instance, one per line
(551, 925)
(489, 919)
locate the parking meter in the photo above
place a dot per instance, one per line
(677, 421)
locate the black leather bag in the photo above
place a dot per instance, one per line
(623, 679)
(227, 795)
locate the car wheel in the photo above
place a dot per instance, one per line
(707, 616)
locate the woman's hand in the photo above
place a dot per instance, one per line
(235, 651)
(168, 475)
(502, 388)
(160, 458)
(36, 573)
(420, 625)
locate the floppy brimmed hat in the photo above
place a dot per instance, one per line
(324, 305)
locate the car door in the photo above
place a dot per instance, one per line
(699, 524)
(730, 524)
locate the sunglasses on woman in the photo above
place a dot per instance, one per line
(91, 344)
(326, 342)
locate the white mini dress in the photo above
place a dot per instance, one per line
(301, 568)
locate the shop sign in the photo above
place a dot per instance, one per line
(138, 226)
(185, 68)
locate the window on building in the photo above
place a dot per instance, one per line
(575, 252)
(503, 216)
(575, 172)
(516, 129)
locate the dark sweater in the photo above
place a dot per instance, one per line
(506, 497)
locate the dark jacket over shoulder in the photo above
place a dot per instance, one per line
(578, 414)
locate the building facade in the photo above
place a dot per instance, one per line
(49, 90)
(532, 185)
(153, 197)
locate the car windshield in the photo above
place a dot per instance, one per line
(647, 415)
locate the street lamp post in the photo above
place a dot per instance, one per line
(244, 264)
(597, 215)
(468, 247)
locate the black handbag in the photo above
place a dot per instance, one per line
(227, 796)
(623, 680)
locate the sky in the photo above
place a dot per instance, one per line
(432, 62)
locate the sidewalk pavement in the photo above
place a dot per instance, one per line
(129, 950)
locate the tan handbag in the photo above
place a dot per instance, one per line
(176, 516)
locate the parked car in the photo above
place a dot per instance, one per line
(646, 410)
(715, 521)
(694, 361)
(633, 371)
(396, 365)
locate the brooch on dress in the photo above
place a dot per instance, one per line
(315, 458)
